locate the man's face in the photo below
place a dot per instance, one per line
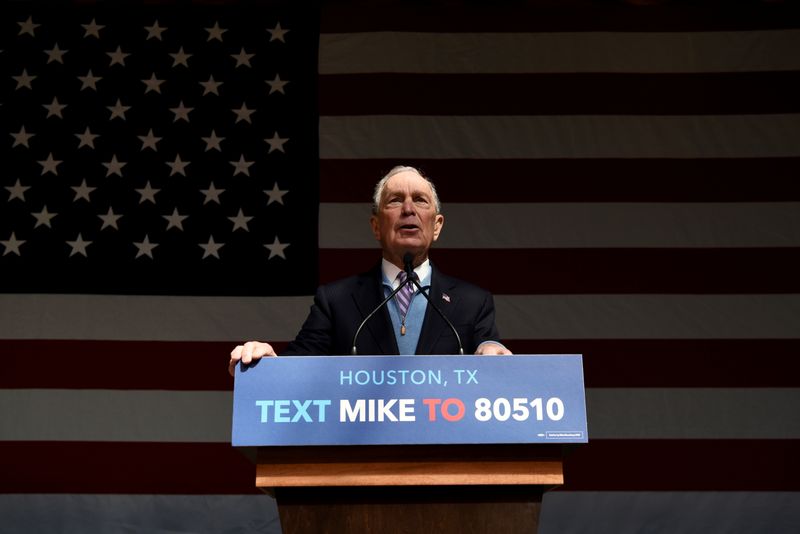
(406, 220)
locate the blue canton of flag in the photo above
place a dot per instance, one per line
(156, 151)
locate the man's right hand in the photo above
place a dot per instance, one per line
(249, 352)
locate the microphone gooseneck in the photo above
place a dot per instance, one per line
(441, 314)
(353, 351)
(408, 267)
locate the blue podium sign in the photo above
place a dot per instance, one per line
(394, 400)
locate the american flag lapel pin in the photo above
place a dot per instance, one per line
(445, 297)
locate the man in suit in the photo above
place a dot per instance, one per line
(406, 219)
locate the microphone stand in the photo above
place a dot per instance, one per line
(353, 351)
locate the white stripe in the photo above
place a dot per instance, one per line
(648, 316)
(205, 416)
(586, 225)
(518, 317)
(475, 53)
(124, 514)
(544, 137)
(693, 413)
(676, 512)
(115, 415)
(156, 318)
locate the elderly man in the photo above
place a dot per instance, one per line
(406, 219)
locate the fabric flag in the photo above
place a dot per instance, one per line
(621, 177)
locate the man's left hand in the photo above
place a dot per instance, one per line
(492, 349)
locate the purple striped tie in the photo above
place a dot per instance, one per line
(404, 295)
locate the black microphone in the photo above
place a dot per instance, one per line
(409, 268)
(353, 351)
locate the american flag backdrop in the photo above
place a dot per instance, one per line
(179, 178)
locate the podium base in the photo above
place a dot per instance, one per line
(410, 509)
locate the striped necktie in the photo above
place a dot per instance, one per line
(404, 299)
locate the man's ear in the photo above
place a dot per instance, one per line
(437, 226)
(376, 230)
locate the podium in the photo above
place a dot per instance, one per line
(410, 444)
(410, 488)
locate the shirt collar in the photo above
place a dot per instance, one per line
(390, 271)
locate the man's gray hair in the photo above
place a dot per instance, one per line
(376, 197)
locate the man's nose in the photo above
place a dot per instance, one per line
(408, 206)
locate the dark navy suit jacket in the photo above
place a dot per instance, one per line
(340, 307)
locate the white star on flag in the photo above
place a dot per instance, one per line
(242, 59)
(277, 33)
(82, 191)
(213, 142)
(154, 31)
(243, 114)
(54, 108)
(145, 247)
(114, 166)
(212, 194)
(175, 220)
(117, 57)
(275, 194)
(28, 27)
(118, 110)
(149, 140)
(181, 58)
(181, 112)
(177, 166)
(55, 54)
(242, 166)
(153, 84)
(109, 220)
(92, 29)
(240, 221)
(211, 86)
(211, 248)
(50, 164)
(277, 85)
(87, 138)
(79, 246)
(24, 80)
(276, 249)
(21, 138)
(215, 32)
(276, 143)
(147, 193)
(43, 218)
(89, 81)
(17, 191)
(12, 244)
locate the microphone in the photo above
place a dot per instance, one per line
(353, 350)
(408, 260)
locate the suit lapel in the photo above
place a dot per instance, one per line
(379, 327)
(443, 296)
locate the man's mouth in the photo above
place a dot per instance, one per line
(409, 227)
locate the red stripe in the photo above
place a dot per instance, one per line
(96, 467)
(559, 94)
(678, 363)
(600, 271)
(577, 180)
(607, 363)
(605, 465)
(567, 15)
(89, 364)
(683, 465)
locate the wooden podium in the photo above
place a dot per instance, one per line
(410, 489)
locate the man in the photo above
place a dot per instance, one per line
(406, 219)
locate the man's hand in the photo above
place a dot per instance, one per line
(249, 352)
(492, 349)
